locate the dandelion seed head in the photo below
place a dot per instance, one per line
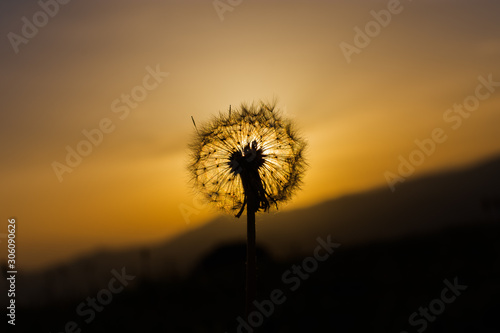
(250, 150)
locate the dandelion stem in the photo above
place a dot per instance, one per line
(252, 207)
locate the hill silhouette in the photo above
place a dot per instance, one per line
(373, 288)
(422, 205)
(397, 248)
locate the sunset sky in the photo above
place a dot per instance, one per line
(359, 112)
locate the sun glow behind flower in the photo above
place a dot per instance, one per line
(254, 143)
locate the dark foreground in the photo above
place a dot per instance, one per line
(444, 282)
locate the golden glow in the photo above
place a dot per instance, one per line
(133, 187)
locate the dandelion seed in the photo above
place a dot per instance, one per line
(254, 143)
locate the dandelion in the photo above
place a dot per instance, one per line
(249, 158)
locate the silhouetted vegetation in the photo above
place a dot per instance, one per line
(248, 158)
(372, 288)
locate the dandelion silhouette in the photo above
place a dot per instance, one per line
(248, 158)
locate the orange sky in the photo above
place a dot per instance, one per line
(358, 116)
